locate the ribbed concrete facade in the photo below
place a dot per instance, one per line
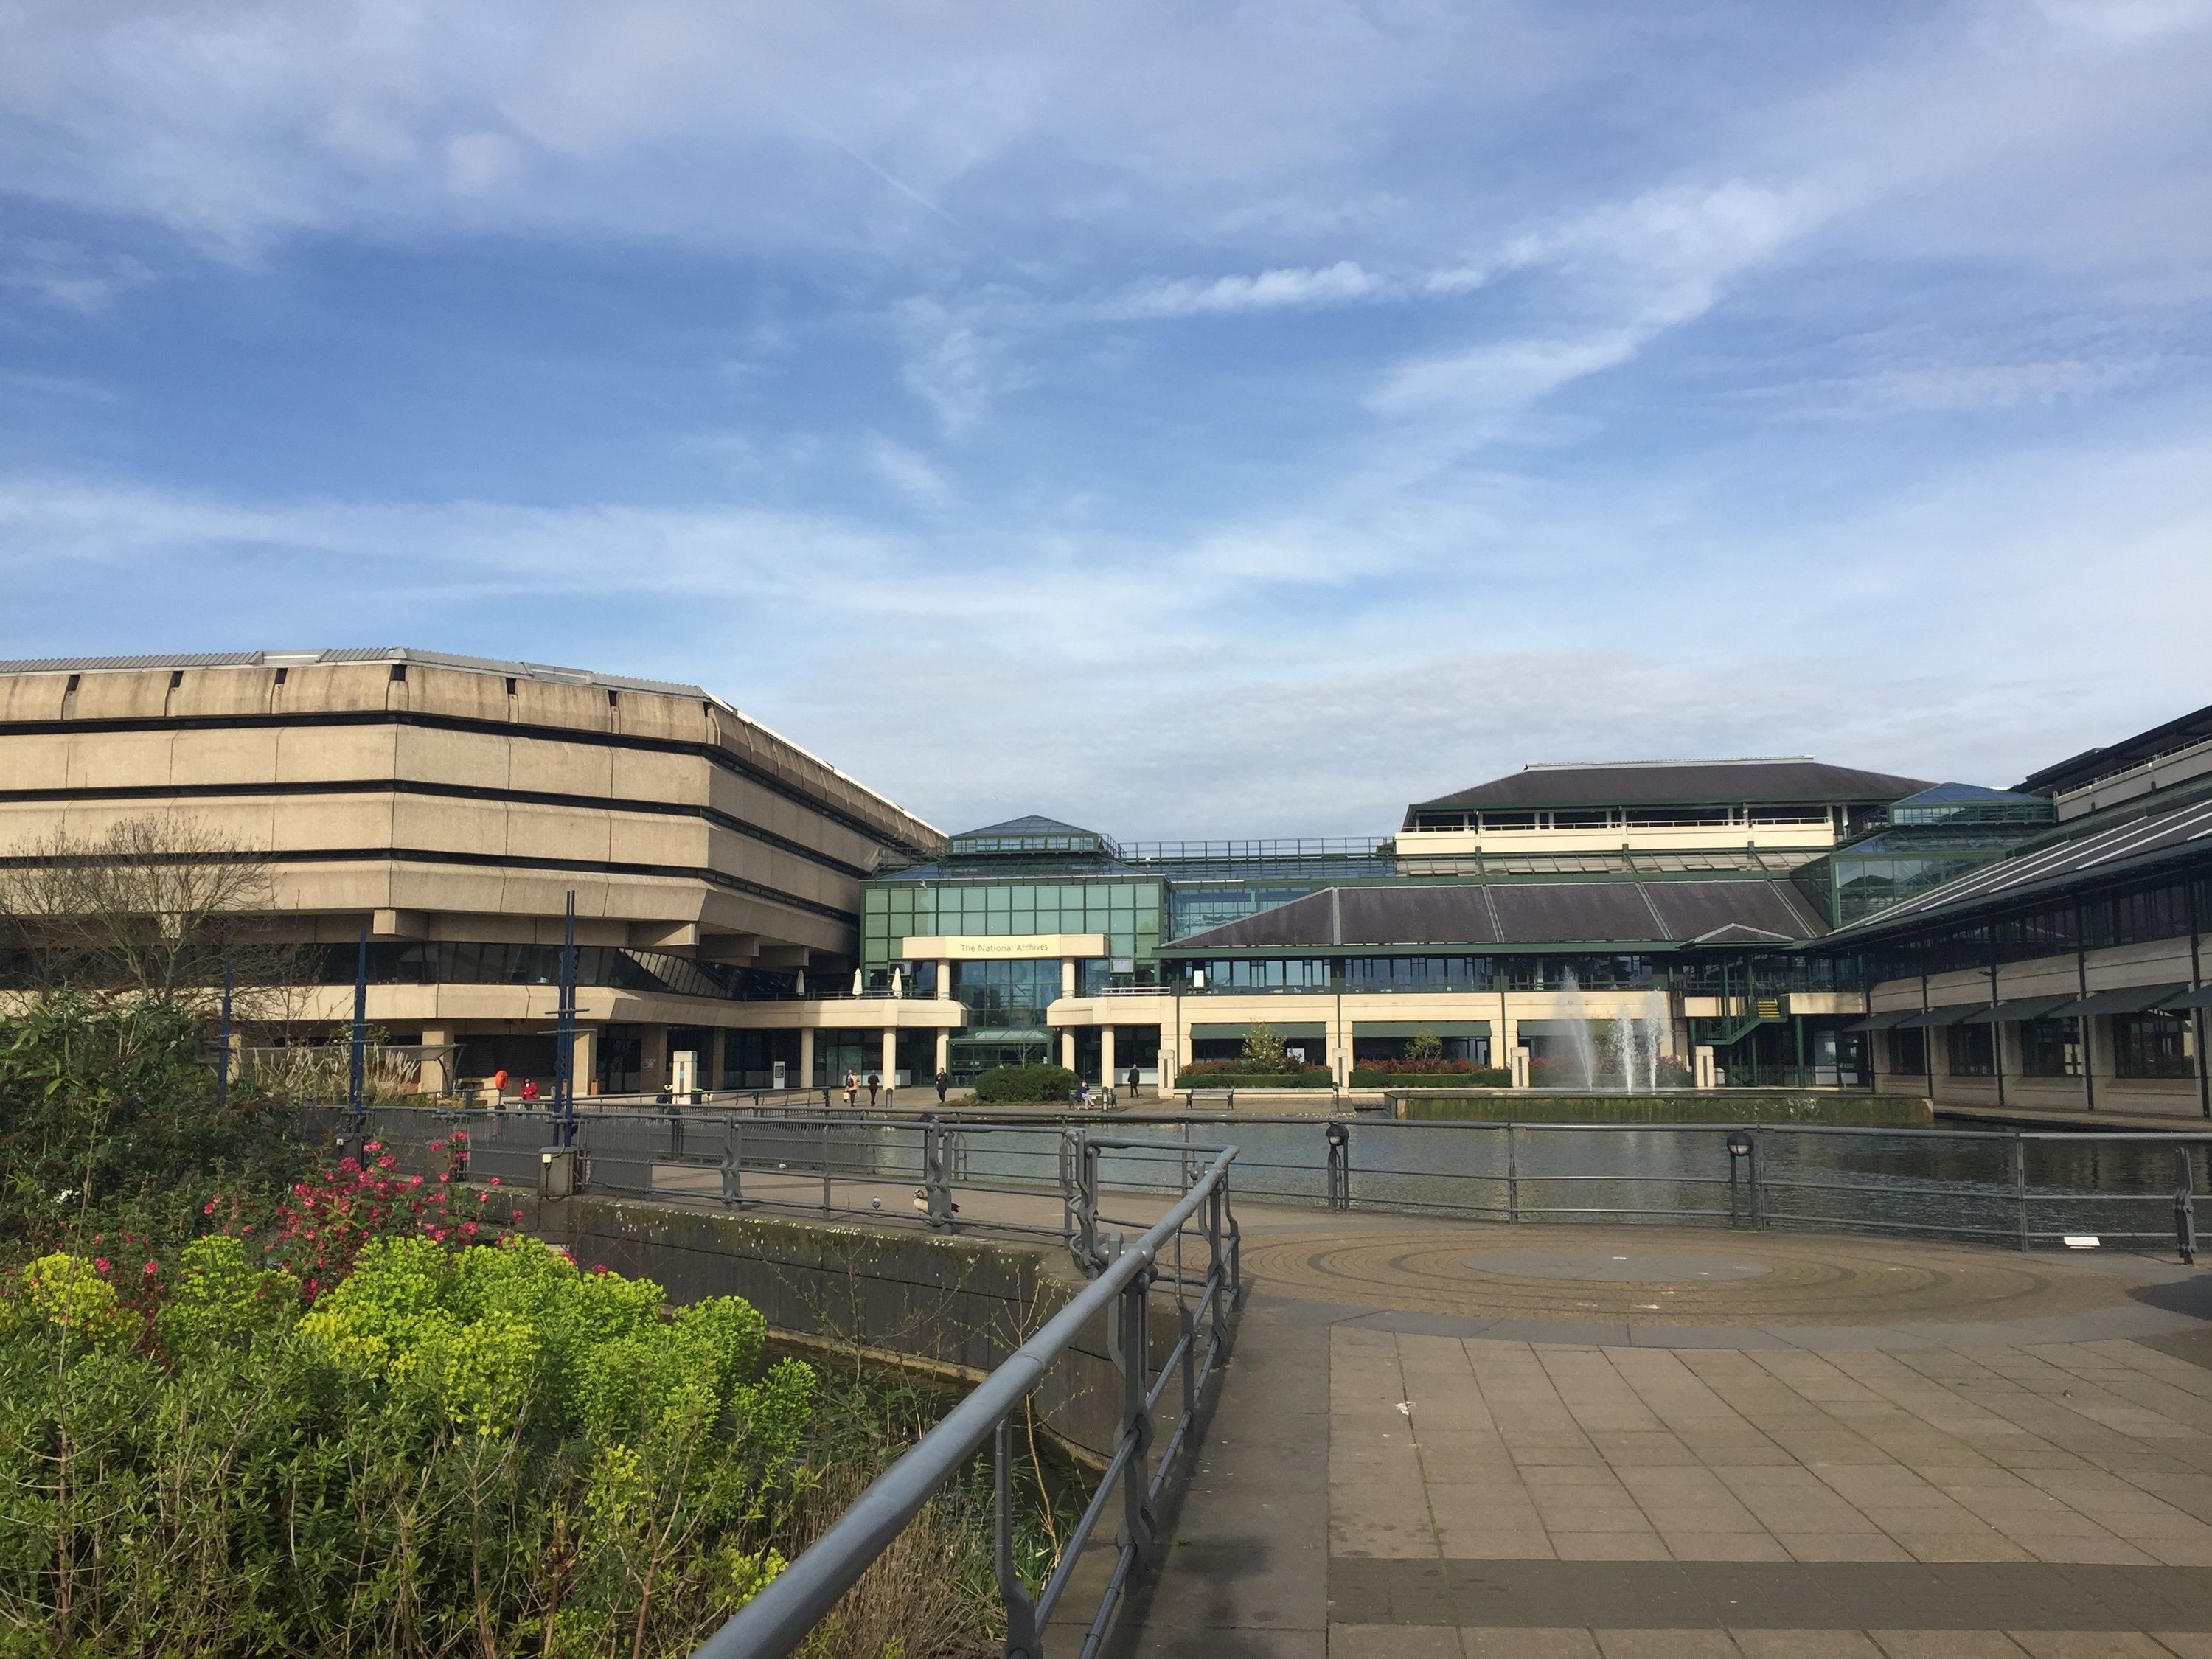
(436, 798)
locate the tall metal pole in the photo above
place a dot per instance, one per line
(564, 1039)
(222, 1044)
(353, 1063)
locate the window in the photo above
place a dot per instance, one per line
(2050, 1048)
(1596, 818)
(2153, 1045)
(1908, 1051)
(1509, 820)
(1972, 1050)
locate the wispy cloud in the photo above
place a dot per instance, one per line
(70, 277)
(908, 473)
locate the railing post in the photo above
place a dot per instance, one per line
(825, 1166)
(2184, 1213)
(1138, 1528)
(2020, 1186)
(1081, 1201)
(732, 1151)
(1512, 1175)
(1216, 1269)
(1022, 1641)
(1751, 1175)
(937, 1173)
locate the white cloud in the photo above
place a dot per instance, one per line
(71, 278)
(1271, 290)
(908, 473)
(953, 364)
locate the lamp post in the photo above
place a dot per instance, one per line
(564, 1038)
(356, 1059)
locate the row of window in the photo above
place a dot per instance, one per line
(1619, 817)
(2137, 915)
(457, 963)
(1468, 972)
(2153, 1045)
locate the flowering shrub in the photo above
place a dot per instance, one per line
(1410, 1067)
(324, 1222)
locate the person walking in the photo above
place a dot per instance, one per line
(874, 1083)
(852, 1088)
(1132, 1085)
(944, 1082)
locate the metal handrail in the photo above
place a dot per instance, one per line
(779, 1618)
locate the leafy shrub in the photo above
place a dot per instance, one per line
(1418, 1074)
(108, 1118)
(1007, 1084)
(454, 1451)
(1264, 1054)
(1236, 1074)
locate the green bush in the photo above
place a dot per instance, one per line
(1014, 1084)
(474, 1451)
(107, 1117)
(1314, 1077)
(1403, 1076)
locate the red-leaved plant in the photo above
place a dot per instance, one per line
(324, 1223)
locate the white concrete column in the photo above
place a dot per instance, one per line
(944, 1050)
(1106, 1055)
(1067, 977)
(945, 979)
(1181, 1057)
(806, 1078)
(890, 1055)
(1067, 1048)
(653, 1059)
(713, 1061)
(583, 1061)
(437, 1074)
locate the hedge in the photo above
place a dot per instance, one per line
(1014, 1084)
(1686, 1106)
(1316, 1079)
(1365, 1077)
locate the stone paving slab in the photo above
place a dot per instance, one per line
(1478, 1642)
(1443, 1448)
(1408, 1460)
(1716, 1595)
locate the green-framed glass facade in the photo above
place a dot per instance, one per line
(1127, 910)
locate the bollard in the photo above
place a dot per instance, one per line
(1339, 1166)
(1742, 1159)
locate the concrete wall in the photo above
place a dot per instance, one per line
(951, 1301)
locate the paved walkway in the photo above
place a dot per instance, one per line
(1440, 1439)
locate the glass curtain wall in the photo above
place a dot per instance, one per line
(1126, 911)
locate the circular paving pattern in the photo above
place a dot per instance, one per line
(1612, 1268)
(1612, 1275)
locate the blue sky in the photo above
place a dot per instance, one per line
(1186, 420)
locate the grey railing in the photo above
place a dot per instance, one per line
(779, 1618)
(2024, 1188)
